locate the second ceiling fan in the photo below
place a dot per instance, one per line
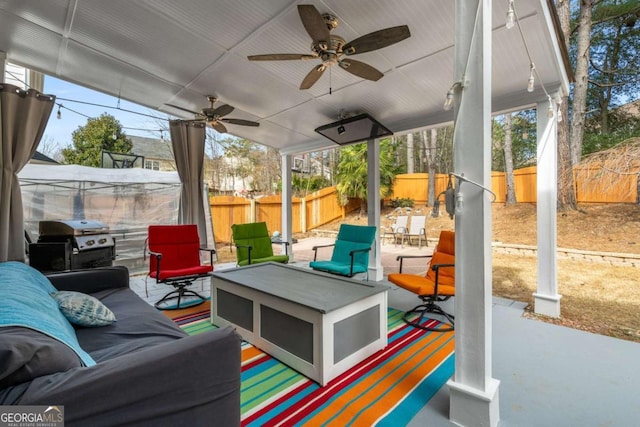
(215, 116)
(332, 49)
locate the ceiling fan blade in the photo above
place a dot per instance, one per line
(314, 23)
(183, 109)
(222, 110)
(280, 57)
(360, 69)
(313, 76)
(218, 126)
(377, 40)
(240, 122)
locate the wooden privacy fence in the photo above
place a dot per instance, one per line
(322, 206)
(591, 186)
(318, 208)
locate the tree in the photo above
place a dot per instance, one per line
(615, 59)
(50, 148)
(352, 172)
(604, 48)
(99, 134)
(613, 75)
(566, 193)
(508, 161)
(410, 153)
(431, 164)
(579, 102)
(243, 156)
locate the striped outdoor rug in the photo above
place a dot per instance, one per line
(387, 389)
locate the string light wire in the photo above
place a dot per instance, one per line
(459, 84)
(62, 106)
(533, 70)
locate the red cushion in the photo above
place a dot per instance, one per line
(194, 271)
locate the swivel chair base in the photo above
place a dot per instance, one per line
(422, 310)
(178, 294)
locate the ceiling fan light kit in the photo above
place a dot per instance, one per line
(332, 49)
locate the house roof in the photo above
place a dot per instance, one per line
(151, 148)
(157, 53)
(38, 157)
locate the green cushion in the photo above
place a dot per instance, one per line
(275, 258)
(248, 231)
(256, 235)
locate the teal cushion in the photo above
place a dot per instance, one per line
(82, 309)
(343, 248)
(337, 268)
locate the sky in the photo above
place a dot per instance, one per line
(58, 132)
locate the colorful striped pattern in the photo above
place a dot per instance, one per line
(387, 389)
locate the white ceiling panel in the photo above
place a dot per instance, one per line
(159, 52)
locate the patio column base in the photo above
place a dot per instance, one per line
(376, 273)
(473, 407)
(547, 305)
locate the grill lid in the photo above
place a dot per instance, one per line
(72, 228)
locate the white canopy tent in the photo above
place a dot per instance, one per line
(126, 200)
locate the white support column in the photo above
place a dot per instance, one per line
(287, 211)
(373, 207)
(473, 392)
(3, 65)
(546, 299)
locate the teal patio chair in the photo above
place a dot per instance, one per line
(253, 244)
(350, 251)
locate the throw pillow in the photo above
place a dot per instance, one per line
(82, 309)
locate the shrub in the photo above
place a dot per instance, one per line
(401, 203)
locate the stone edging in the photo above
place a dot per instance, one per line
(611, 258)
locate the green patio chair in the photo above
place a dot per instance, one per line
(253, 244)
(350, 253)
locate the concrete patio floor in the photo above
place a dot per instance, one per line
(549, 375)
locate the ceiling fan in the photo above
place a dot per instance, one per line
(215, 116)
(332, 49)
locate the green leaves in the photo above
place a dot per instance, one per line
(100, 134)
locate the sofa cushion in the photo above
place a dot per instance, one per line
(82, 309)
(26, 354)
(139, 326)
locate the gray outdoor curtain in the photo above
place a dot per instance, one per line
(187, 139)
(23, 118)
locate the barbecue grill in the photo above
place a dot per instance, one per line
(73, 244)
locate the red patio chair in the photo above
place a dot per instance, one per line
(174, 252)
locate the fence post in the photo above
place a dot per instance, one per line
(252, 210)
(303, 214)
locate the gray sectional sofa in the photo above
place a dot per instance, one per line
(147, 371)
